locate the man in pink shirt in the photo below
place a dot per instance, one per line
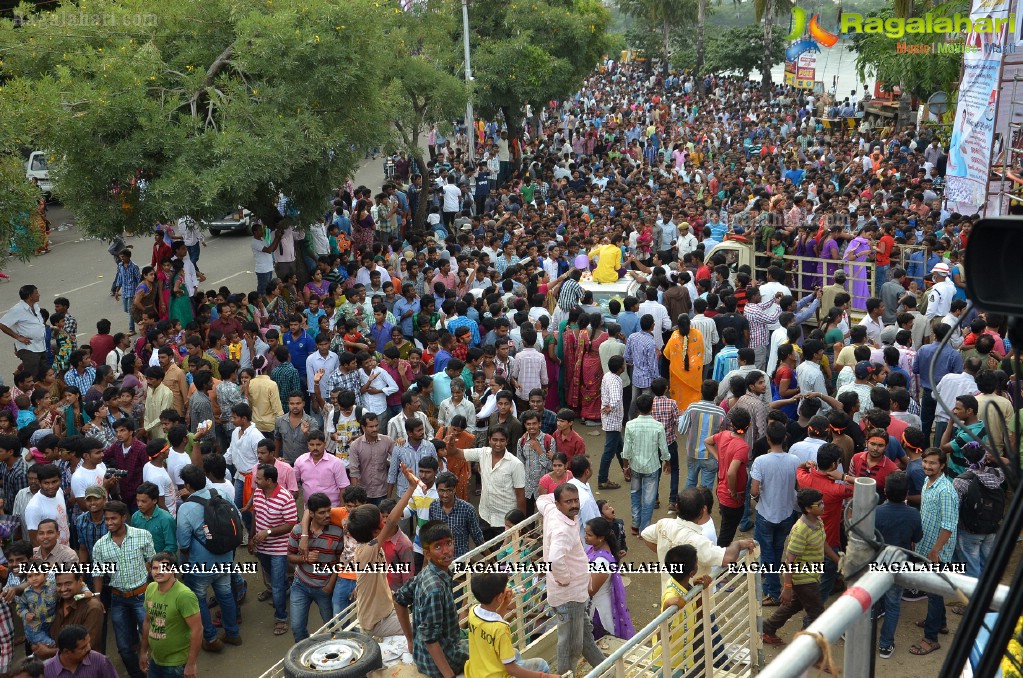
(567, 591)
(321, 472)
(285, 474)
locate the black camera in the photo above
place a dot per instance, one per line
(116, 473)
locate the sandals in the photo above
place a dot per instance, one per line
(280, 628)
(264, 596)
(958, 610)
(608, 485)
(627, 472)
(943, 631)
(770, 601)
(635, 532)
(923, 647)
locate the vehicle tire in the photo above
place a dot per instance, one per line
(339, 655)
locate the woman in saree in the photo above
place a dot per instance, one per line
(276, 306)
(180, 304)
(806, 246)
(572, 372)
(568, 343)
(829, 249)
(364, 227)
(607, 590)
(163, 279)
(146, 294)
(856, 271)
(550, 354)
(591, 369)
(684, 352)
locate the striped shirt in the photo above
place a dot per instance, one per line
(725, 361)
(328, 547)
(89, 532)
(128, 278)
(529, 370)
(611, 396)
(347, 381)
(130, 558)
(571, 293)
(806, 543)
(273, 511)
(760, 316)
(645, 445)
(701, 420)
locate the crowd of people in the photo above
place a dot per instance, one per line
(375, 371)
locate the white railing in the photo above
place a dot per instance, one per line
(530, 620)
(724, 617)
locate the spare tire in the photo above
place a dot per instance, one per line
(334, 655)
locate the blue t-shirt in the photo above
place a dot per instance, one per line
(899, 524)
(917, 477)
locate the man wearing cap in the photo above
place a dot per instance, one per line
(939, 298)
(686, 241)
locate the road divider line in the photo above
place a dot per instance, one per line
(234, 275)
(78, 289)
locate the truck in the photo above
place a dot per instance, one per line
(37, 167)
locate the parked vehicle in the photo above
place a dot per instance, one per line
(238, 221)
(38, 167)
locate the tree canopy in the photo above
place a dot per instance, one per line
(533, 50)
(213, 103)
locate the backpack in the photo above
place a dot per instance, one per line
(222, 523)
(982, 506)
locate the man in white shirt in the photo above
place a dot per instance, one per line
(955, 312)
(120, 349)
(24, 324)
(452, 202)
(262, 253)
(191, 234)
(192, 275)
(872, 321)
(662, 322)
(939, 299)
(709, 331)
(686, 242)
(376, 386)
(284, 254)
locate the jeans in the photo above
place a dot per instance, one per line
(704, 470)
(262, 280)
(277, 567)
(539, 665)
(157, 671)
(221, 583)
(927, 407)
(636, 392)
(612, 448)
(193, 253)
(302, 597)
(673, 464)
(939, 431)
(643, 492)
(747, 509)
(974, 550)
(892, 609)
(126, 305)
(127, 616)
(575, 636)
(935, 620)
(39, 632)
(880, 278)
(771, 537)
(344, 589)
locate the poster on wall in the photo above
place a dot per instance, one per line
(969, 154)
(802, 71)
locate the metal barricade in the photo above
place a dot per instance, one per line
(804, 273)
(530, 622)
(724, 618)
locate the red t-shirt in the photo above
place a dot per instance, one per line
(879, 472)
(571, 445)
(834, 494)
(731, 447)
(101, 344)
(885, 244)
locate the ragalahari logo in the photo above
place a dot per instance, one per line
(817, 35)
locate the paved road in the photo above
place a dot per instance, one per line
(80, 269)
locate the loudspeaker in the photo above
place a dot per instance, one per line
(994, 265)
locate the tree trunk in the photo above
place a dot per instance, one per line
(905, 113)
(666, 45)
(765, 66)
(701, 20)
(514, 137)
(422, 208)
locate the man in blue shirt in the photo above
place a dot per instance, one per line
(627, 319)
(949, 360)
(299, 344)
(900, 526)
(192, 542)
(405, 307)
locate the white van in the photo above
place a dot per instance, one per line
(38, 167)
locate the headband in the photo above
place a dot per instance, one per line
(164, 449)
(739, 431)
(877, 439)
(907, 444)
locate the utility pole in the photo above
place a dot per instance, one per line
(470, 127)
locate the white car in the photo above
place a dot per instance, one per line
(605, 292)
(38, 167)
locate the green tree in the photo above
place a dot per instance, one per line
(741, 49)
(916, 74)
(663, 18)
(423, 87)
(214, 103)
(533, 51)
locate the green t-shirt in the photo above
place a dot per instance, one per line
(169, 634)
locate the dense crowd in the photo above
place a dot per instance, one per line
(375, 372)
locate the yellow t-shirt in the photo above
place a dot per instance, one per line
(490, 645)
(684, 628)
(609, 263)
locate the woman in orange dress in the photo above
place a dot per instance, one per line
(456, 439)
(684, 352)
(591, 370)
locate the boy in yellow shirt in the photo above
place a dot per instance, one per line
(491, 653)
(686, 639)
